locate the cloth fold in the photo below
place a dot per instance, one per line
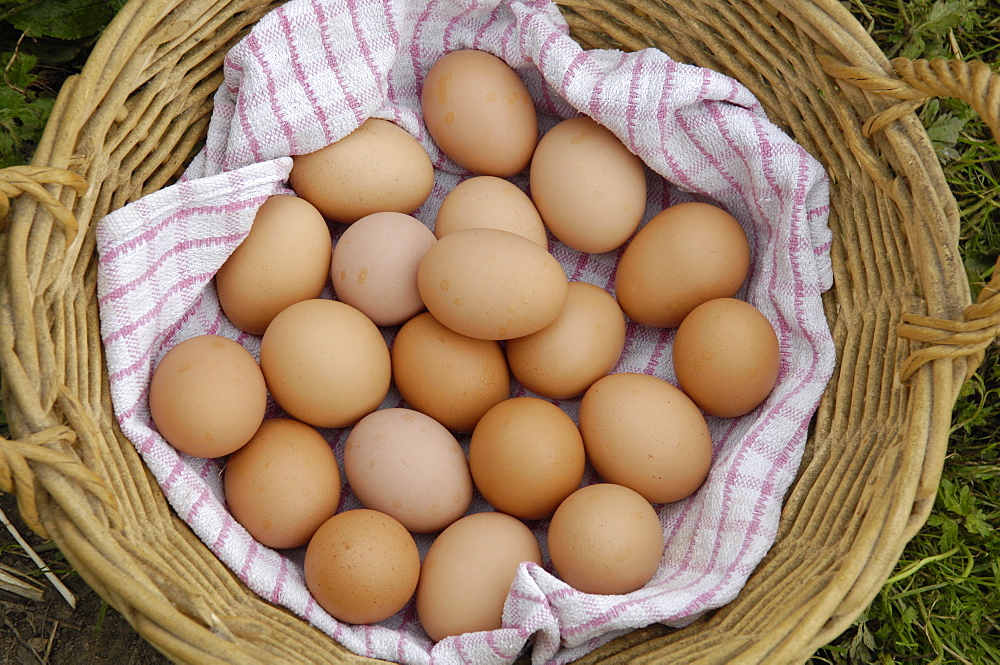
(309, 73)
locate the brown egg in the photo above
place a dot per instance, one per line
(450, 377)
(588, 187)
(491, 284)
(467, 573)
(362, 566)
(408, 466)
(378, 167)
(642, 432)
(685, 255)
(605, 539)
(726, 357)
(284, 259)
(526, 456)
(480, 113)
(325, 363)
(374, 266)
(490, 202)
(283, 484)
(583, 344)
(207, 396)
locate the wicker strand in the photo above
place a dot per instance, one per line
(17, 180)
(953, 339)
(43, 448)
(975, 83)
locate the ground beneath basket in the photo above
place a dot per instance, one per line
(49, 631)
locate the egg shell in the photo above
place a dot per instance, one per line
(493, 203)
(407, 465)
(687, 254)
(605, 539)
(582, 345)
(374, 266)
(491, 284)
(325, 363)
(378, 167)
(284, 259)
(468, 571)
(283, 484)
(480, 113)
(362, 566)
(207, 396)
(646, 434)
(726, 357)
(452, 378)
(526, 456)
(587, 186)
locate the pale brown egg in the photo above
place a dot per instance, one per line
(491, 284)
(605, 539)
(726, 357)
(589, 189)
(468, 571)
(407, 465)
(644, 433)
(284, 259)
(480, 113)
(378, 167)
(374, 266)
(325, 363)
(526, 456)
(490, 202)
(207, 396)
(283, 484)
(567, 356)
(687, 254)
(452, 378)
(362, 566)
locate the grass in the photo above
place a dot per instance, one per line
(942, 602)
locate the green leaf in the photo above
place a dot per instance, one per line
(915, 48)
(949, 495)
(946, 128)
(949, 534)
(19, 69)
(944, 16)
(66, 19)
(21, 123)
(62, 52)
(944, 133)
(861, 646)
(978, 523)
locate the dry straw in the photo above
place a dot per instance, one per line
(905, 331)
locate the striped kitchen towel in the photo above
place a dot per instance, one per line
(308, 74)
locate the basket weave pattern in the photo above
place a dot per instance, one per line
(905, 331)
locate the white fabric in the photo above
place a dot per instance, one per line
(308, 74)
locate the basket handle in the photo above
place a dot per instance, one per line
(975, 83)
(17, 180)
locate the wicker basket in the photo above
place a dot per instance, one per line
(905, 333)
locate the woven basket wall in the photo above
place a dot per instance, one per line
(139, 110)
